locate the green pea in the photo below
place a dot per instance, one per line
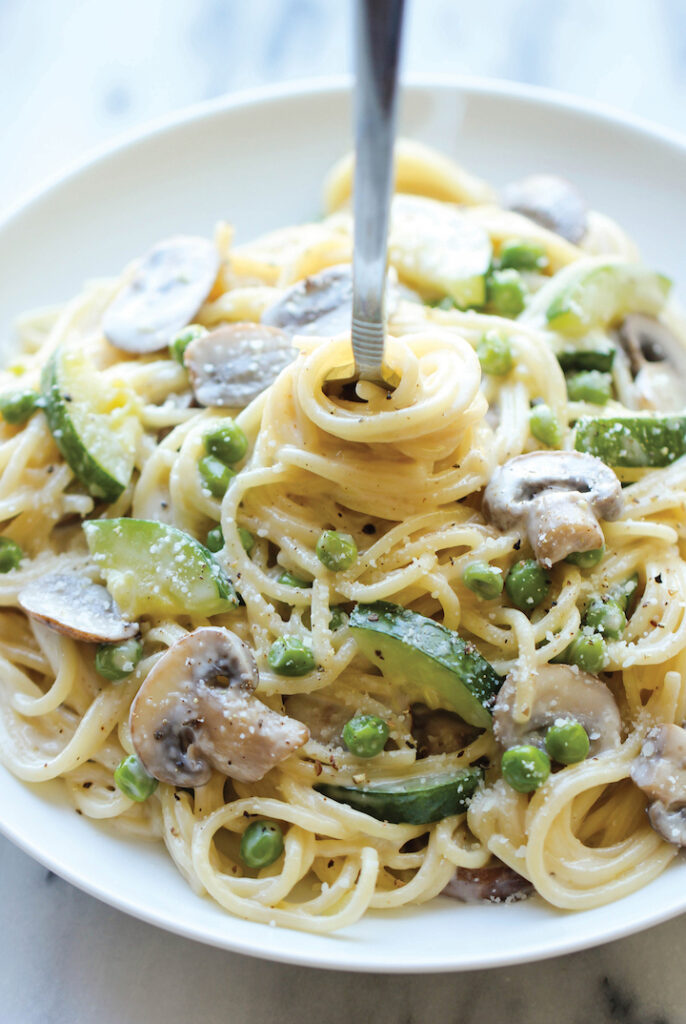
(247, 539)
(339, 617)
(290, 656)
(567, 742)
(365, 735)
(133, 780)
(19, 406)
(10, 554)
(289, 579)
(545, 426)
(495, 354)
(117, 661)
(606, 617)
(589, 386)
(261, 844)
(587, 650)
(623, 593)
(183, 338)
(215, 539)
(216, 475)
(227, 442)
(525, 768)
(337, 551)
(521, 254)
(527, 584)
(586, 559)
(505, 292)
(485, 580)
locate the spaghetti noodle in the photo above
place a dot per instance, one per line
(403, 475)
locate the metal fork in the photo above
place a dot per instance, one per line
(378, 30)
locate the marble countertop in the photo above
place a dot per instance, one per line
(78, 73)
(68, 959)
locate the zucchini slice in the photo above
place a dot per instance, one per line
(93, 423)
(594, 352)
(439, 250)
(154, 569)
(415, 801)
(642, 441)
(430, 663)
(596, 293)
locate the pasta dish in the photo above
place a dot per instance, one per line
(341, 648)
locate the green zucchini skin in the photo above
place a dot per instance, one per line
(97, 481)
(600, 356)
(636, 441)
(433, 664)
(597, 292)
(413, 802)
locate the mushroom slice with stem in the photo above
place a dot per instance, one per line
(234, 364)
(561, 693)
(72, 604)
(660, 771)
(494, 883)
(657, 360)
(196, 711)
(318, 305)
(551, 202)
(557, 497)
(167, 289)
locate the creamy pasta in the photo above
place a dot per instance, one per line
(379, 645)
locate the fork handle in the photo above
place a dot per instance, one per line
(378, 25)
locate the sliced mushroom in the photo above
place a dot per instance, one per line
(660, 771)
(74, 605)
(322, 305)
(323, 716)
(439, 732)
(561, 693)
(318, 305)
(495, 883)
(168, 287)
(551, 202)
(232, 365)
(196, 711)
(657, 360)
(557, 497)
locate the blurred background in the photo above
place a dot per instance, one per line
(78, 73)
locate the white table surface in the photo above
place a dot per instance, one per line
(75, 74)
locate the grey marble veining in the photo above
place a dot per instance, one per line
(76, 73)
(68, 959)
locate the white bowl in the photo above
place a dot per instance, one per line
(258, 161)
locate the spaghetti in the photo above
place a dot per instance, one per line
(403, 475)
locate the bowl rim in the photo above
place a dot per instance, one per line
(293, 88)
(532, 95)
